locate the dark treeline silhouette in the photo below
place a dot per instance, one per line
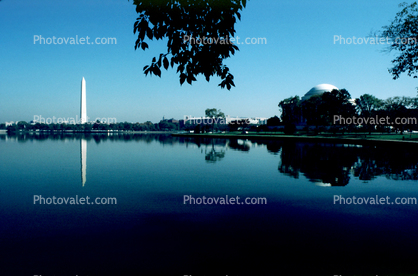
(331, 164)
(163, 125)
(330, 110)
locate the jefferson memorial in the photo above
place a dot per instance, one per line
(319, 90)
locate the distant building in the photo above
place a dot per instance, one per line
(319, 90)
(316, 91)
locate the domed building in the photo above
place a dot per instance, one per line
(315, 91)
(319, 90)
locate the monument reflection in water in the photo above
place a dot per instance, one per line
(83, 158)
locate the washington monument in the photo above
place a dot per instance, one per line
(83, 110)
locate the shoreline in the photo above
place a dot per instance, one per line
(362, 139)
(94, 131)
(300, 138)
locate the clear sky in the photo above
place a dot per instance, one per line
(300, 53)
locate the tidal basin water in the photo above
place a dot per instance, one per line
(300, 230)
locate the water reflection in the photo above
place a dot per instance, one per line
(213, 155)
(83, 159)
(323, 164)
(334, 164)
(239, 144)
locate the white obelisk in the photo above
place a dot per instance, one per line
(83, 111)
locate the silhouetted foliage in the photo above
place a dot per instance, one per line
(334, 103)
(180, 21)
(214, 115)
(395, 108)
(291, 110)
(367, 104)
(312, 111)
(289, 129)
(403, 33)
(164, 125)
(274, 121)
(238, 124)
(197, 129)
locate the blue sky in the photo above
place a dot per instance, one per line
(300, 53)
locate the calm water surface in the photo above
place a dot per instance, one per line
(151, 231)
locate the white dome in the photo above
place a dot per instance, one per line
(319, 90)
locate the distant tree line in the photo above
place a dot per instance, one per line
(206, 126)
(214, 121)
(319, 111)
(163, 125)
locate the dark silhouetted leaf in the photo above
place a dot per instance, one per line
(144, 45)
(182, 78)
(166, 63)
